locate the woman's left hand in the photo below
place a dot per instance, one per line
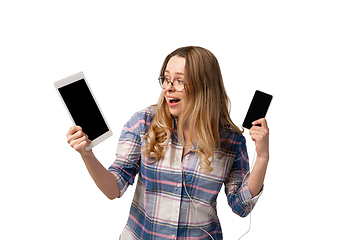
(260, 134)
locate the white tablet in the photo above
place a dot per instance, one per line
(83, 108)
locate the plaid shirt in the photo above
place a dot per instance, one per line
(161, 207)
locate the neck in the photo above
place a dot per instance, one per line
(188, 136)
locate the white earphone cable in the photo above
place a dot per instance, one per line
(196, 212)
(251, 206)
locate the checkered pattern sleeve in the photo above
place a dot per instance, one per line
(238, 194)
(128, 153)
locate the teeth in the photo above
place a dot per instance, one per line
(172, 100)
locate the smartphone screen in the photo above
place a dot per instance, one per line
(258, 108)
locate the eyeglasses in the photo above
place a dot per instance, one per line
(177, 83)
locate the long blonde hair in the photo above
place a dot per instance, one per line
(207, 108)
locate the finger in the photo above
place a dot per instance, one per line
(255, 135)
(87, 140)
(80, 143)
(76, 140)
(261, 121)
(258, 137)
(85, 143)
(75, 143)
(73, 130)
(259, 133)
(254, 130)
(75, 136)
(81, 146)
(87, 137)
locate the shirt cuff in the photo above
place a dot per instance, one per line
(248, 198)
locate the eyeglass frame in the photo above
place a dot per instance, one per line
(171, 82)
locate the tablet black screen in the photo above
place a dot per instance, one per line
(83, 108)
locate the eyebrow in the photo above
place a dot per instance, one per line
(178, 73)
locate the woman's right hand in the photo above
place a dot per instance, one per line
(78, 139)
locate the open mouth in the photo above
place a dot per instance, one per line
(174, 100)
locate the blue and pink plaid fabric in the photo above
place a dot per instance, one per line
(161, 207)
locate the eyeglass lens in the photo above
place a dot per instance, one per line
(177, 85)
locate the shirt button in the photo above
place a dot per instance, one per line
(178, 185)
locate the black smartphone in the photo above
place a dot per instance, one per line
(258, 108)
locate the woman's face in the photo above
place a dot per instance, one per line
(176, 100)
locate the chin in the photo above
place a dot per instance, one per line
(175, 113)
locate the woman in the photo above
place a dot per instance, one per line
(184, 149)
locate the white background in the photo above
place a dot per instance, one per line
(305, 53)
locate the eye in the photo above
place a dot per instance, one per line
(180, 80)
(164, 79)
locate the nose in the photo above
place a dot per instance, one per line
(169, 87)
